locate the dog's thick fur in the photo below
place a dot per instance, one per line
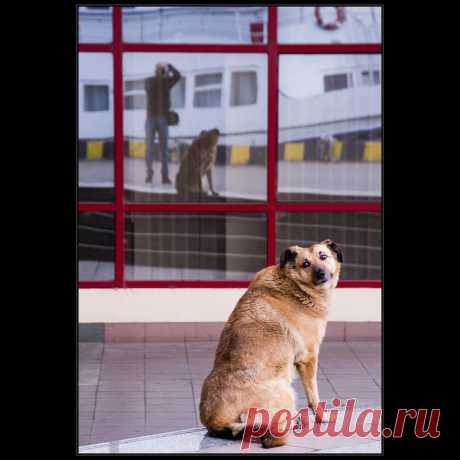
(197, 162)
(277, 325)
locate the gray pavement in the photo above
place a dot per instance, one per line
(361, 179)
(131, 390)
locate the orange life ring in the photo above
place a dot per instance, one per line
(340, 18)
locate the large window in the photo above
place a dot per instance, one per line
(329, 128)
(205, 102)
(95, 127)
(200, 246)
(329, 24)
(94, 24)
(191, 24)
(211, 138)
(96, 246)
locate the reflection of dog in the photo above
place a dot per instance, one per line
(279, 323)
(198, 161)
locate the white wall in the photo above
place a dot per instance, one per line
(196, 304)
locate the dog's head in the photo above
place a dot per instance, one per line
(209, 138)
(317, 266)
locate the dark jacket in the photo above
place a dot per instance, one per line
(157, 89)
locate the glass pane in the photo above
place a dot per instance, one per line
(208, 79)
(210, 98)
(195, 24)
(221, 103)
(194, 246)
(244, 88)
(357, 234)
(330, 122)
(94, 24)
(329, 24)
(96, 246)
(178, 94)
(95, 127)
(96, 98)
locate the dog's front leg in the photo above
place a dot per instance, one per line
(199, 183)
(209, 176)
(308, 375)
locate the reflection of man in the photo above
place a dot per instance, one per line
(158, 105)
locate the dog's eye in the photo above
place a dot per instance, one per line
(323, 256)
(306, 264)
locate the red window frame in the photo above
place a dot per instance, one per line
(272, 49)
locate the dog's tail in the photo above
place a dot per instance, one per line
(233, 430)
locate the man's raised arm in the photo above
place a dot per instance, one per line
(175, 75)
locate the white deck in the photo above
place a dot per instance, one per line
(196, 440)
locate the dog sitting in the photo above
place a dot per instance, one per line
(197, 162)
(277, 325)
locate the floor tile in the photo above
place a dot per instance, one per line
(135, 389)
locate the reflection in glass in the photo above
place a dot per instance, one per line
(329, 24)
(94, 24)
(95, 127)
(357, 234)
(194, 246)
(191, 24)
(96, 246)
(329, 133)
(195, 127)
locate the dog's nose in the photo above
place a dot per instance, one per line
(320, 274)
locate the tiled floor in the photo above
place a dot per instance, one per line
(134, 389)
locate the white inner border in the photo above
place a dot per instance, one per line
(203, 304)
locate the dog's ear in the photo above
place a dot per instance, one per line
(287, 256)
(334, 248)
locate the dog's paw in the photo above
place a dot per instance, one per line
(321, 418)
(297, 423)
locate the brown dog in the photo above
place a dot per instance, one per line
(278, 324)
(197, 162)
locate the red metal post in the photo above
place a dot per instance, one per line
(118, 128)
(329, 207)
(187, 284)
(92, 207)
(95, 48)
(211, 284)
(337, 48)
(272, 147)
(194, 207)
(96, 284)
(192, 48)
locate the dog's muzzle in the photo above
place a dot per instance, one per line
(321, 276)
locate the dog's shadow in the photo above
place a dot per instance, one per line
(210, 440)
(196, 197)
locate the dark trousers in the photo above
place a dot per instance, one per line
(152, 125)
